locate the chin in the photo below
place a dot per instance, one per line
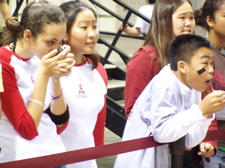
(202, 90)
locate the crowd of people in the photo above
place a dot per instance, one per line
(54, 101)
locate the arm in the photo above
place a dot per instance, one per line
(193, 122)
(171, 122)
(131, 31)
(140, 71)
(13, 105)
(25, 118)
(5, 9)
(210, 145)
(53, 67)
(59, 111)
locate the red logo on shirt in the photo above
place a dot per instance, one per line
(32, 80)
(81, 92)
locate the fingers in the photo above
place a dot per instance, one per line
(214, 102)
(120, 27)
(65, 68)
(57, 56)
(58, 64)
(63, 54)
(206, 150)
(66, 65)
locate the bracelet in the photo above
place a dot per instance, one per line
(53, 98)
(37, 102)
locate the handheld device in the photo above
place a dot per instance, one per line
(60, 49)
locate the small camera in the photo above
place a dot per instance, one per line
(60, 49)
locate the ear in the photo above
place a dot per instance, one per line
(181, 66)
(209, 21)
(27, 35)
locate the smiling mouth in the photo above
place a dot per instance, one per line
(92, 43)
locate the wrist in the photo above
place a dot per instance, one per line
(56, 97)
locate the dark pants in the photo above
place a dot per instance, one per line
(191, 159)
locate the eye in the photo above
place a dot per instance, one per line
(50, 42)
(84, 27)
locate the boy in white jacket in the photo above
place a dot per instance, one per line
(170, 107)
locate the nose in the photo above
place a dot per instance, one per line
(93, 33)
(211, 69)
(188, 22)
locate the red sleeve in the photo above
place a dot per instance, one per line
(13, 105)
(140, 71)
(100, 124)
(213, 125)
(60, 130)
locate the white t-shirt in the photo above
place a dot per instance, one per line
(145, 10)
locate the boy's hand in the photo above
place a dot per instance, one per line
(212, 103)
(206, 150)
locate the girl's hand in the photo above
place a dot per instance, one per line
(56, 64)
(67, 62)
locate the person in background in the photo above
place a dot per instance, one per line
(170, 107)
(86, 88)
(34, 110)
(140, 26)
(154, 55)
(211, 17)
(5, 10)
(1, 90)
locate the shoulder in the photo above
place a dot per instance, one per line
(145, 59)
(147, 51)
(146, 7)
(101, 70)
(5, 56)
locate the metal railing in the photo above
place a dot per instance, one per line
(125, 57)
(18, 6)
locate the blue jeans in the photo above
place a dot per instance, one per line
(217, 161)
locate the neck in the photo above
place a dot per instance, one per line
(22, 51)
(217, 41)
(180, 77)
(79, 59)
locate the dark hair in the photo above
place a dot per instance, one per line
(184, 47)
(151, 1)
(34, 17)
(71, 10)
(209, 8)
(161, 30)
